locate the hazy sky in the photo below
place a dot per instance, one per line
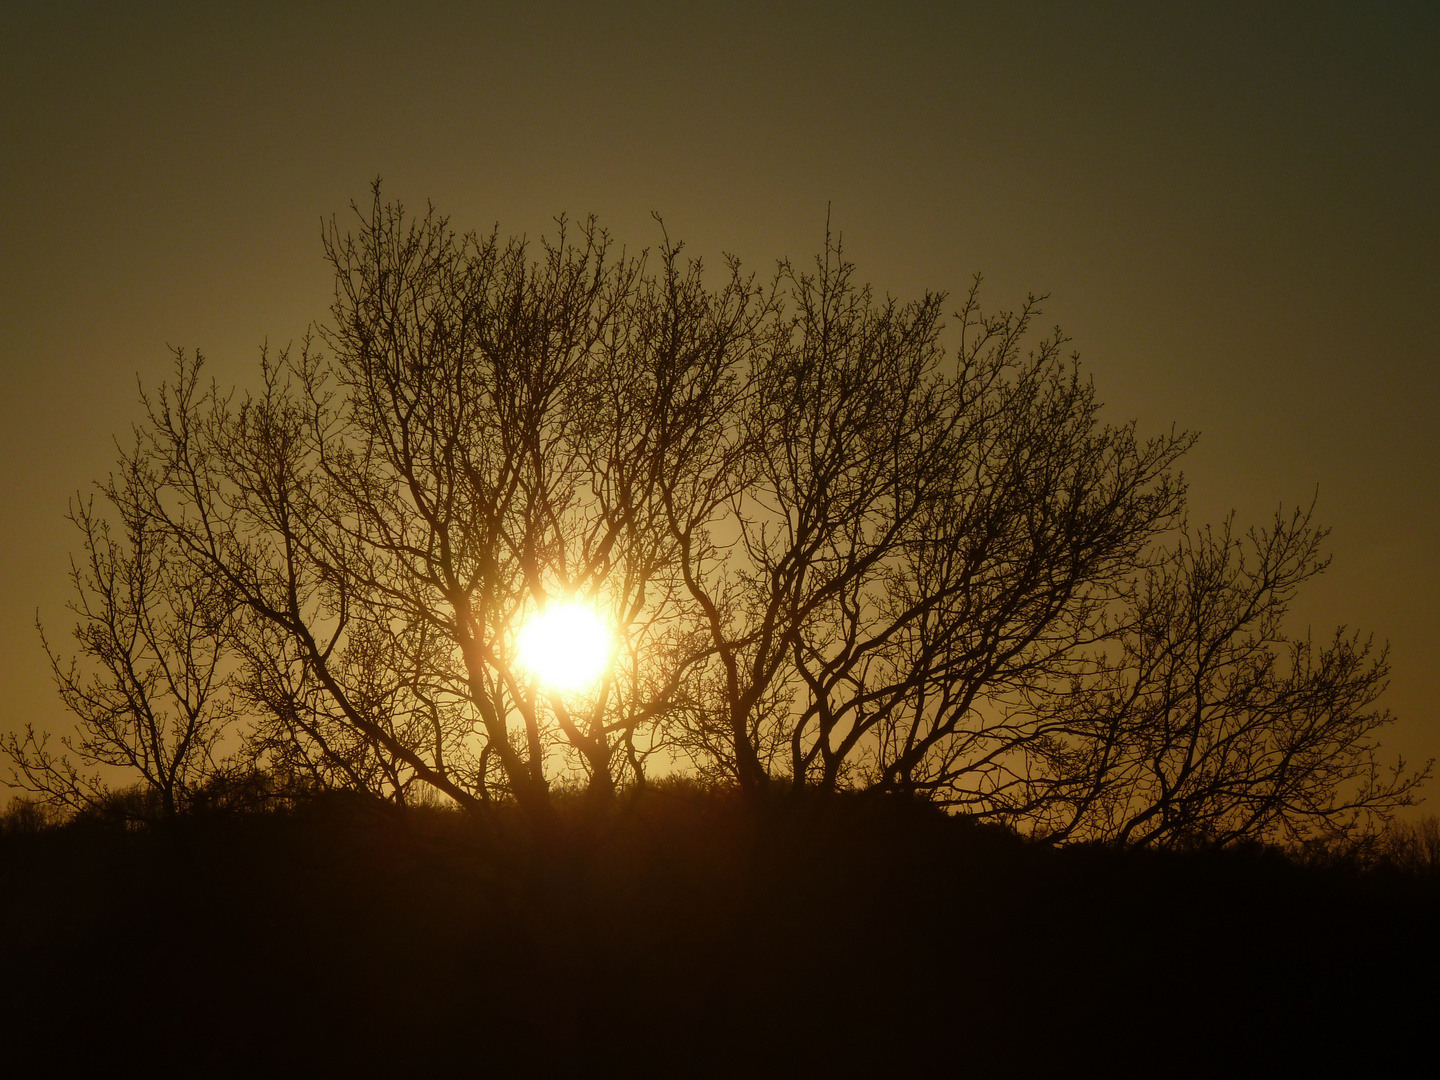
(1233, 207)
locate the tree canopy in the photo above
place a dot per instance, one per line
(840, 541)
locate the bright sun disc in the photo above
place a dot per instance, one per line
(566, 646)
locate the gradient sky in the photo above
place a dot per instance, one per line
(1233, 207)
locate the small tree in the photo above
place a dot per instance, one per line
(1209, 723)
(885, 537)
(149, 686)
(481, 442)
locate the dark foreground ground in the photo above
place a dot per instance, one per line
(684, 937)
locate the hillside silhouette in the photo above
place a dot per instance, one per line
(683, 933)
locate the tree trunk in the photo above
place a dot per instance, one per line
(753, 778)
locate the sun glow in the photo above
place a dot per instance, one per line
(566, 646)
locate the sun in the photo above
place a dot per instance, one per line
(566, 646)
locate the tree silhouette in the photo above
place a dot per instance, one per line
(152, 694)
(1208, 723)
(840, 546)
(887, 538)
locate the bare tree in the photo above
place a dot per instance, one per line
(839, 544)
(886, 539)
(1208, 723)
(479, 444)
(150, 687)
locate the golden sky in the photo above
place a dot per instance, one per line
(1234, 211)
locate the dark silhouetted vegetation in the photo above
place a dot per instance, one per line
(934, 736)
(841, 546)
(683, 933)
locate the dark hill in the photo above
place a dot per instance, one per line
(684, 936)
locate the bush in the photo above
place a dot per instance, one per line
(30, 816)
